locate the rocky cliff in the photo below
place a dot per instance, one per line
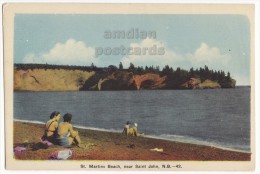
(50, 80)
(122, 80)
(149, 81)
(196, 83)
(106, 79)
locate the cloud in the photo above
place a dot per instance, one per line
(71, 52)
(203, 55)
(74, 52)
(169, 57)
(210, 56)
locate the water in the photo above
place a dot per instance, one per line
(211, 117)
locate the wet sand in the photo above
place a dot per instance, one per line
(115, 146)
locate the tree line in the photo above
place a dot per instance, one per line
(175, 77)
(20, 66)
(179, 76)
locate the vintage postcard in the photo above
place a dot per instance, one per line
(129, 86)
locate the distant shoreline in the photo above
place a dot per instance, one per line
(35, 77)
(242, 86)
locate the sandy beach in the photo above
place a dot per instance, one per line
(114, 146)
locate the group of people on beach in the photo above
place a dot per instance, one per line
(61, 133)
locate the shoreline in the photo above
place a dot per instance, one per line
(114, 146)
(174, 89)
(202, 143)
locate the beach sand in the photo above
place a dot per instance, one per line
(114, 146)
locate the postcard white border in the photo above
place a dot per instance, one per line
(11, 9)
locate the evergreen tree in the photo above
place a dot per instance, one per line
(146, 69)
(228, 76)
(131, 67)
(120, 67)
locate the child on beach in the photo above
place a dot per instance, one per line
(66, 134)
(126, 128)
(51, 127)
(133, 131)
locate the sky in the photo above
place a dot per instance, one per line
(222, 42)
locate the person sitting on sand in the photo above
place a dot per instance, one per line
(133, 131)
(66, 135)
(51, 127)
(126, 128)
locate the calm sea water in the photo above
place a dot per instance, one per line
(211, 117)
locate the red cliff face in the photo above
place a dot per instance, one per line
(127, 81)
(192, 83)
(117, 81)
(149, 81)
